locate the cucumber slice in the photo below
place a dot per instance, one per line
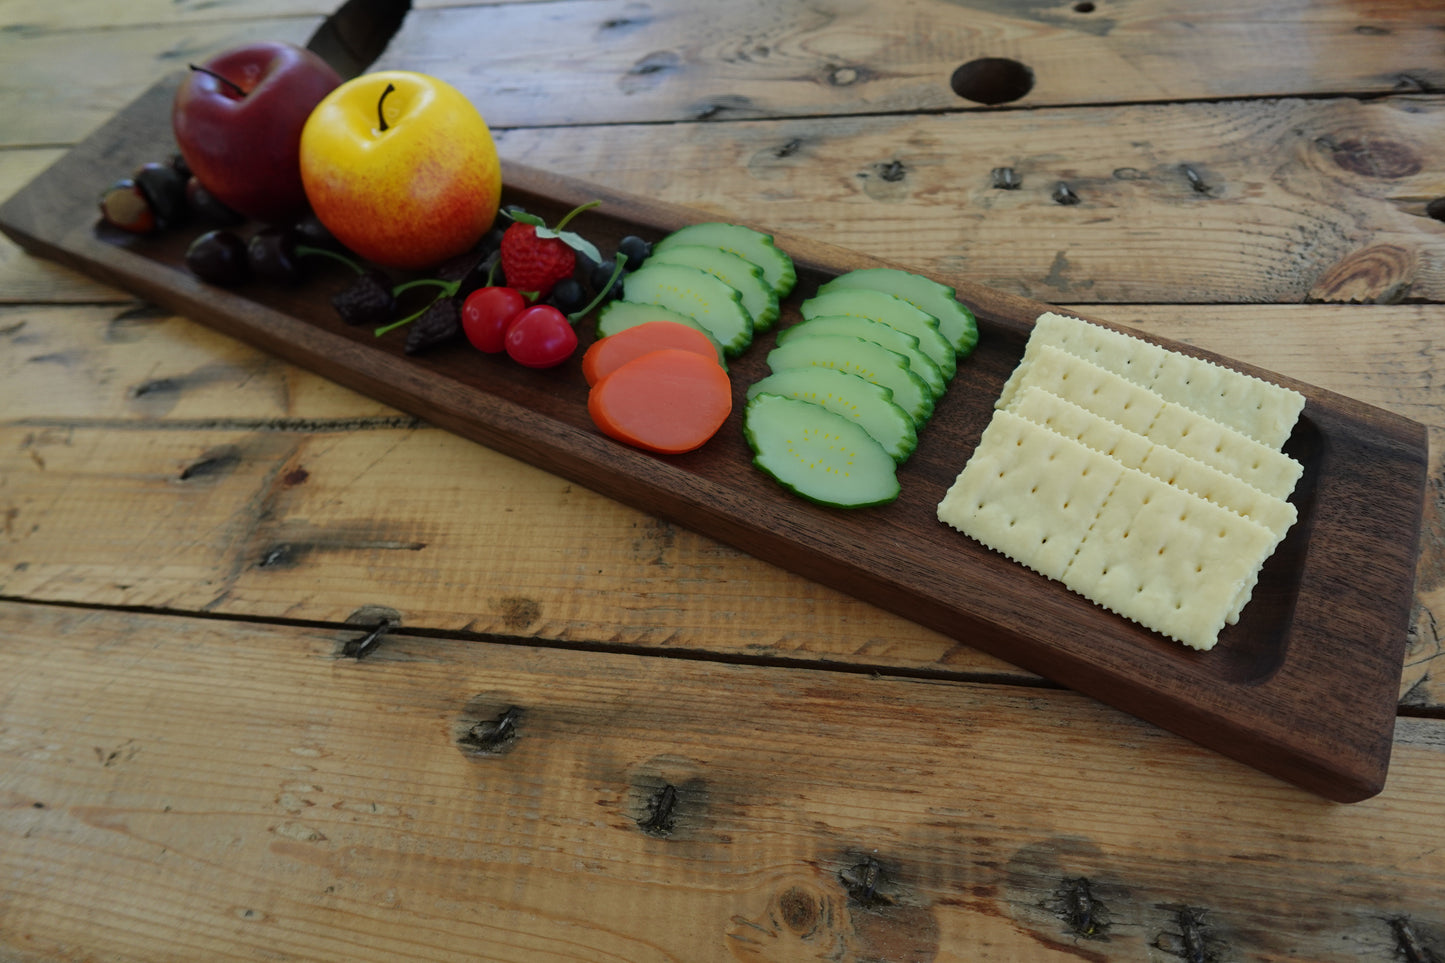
(818, 454)
(617, 316)
(892, 311)
(955, 320)
(717, 307)
(869, 361)
(870, 405)
(747, 277)
(746, 243)
(877, 332)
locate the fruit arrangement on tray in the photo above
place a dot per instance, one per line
(397, 171)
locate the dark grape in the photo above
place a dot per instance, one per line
(438, 324)
(205, 205)
(272, 255)
(218, 257)
(165, 189)
(124, 205)
(367, 300)
(311, 232)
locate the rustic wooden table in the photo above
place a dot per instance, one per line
(700, 757)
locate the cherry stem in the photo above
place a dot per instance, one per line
(574, 212)
(211, 73)
(448, 288)
(380, 113)
(306, 249)
(616, 273)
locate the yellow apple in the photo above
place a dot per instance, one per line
(401, 167)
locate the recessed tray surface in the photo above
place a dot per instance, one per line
(1304, 686)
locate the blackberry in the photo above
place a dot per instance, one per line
(438, 324)
(367, 300)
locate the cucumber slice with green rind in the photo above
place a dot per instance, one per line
(877, 332)
(893, 311)
(955, 320)
(868, 404)
(616, 316)
(818, 454)
(747, 277)
(746, 243)
(716, 306)
(869, 361)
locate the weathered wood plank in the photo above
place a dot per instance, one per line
(1170, 206)
(150, 397)
(41, 16)
(677, 60)
(166, 796)
(1343, 219)
(46, 102)
(27, 279)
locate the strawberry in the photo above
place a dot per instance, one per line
(535, 264)
(535, 257)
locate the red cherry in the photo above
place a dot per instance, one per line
(486, 315)
(541, 337)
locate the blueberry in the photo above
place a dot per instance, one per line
(568, 295)
(635, 249)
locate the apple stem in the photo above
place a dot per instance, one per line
(380, 113)
(306, 249)
(616, 273)
(211, 73)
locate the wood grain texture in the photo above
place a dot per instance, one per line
(46, 103)
(1172, 203)
(164, 795)
(1317, 619)
(678, 61)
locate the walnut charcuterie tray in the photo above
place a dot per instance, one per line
(1303, 687)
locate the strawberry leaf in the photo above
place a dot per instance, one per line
(527, 218)
(575, 241)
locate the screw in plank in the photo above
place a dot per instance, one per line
(1005, 179)
(862, 881)
(1064, 194)
(1196, 180)
(362, 646)
(493, 735)
(1085, 914)
(1408, 943)
(661, 812)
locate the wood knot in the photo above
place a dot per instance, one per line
(1381, 274)
(1375, 157)
(799, 910)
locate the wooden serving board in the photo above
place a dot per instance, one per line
(1304, 686)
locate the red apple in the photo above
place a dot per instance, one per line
(238, 118)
